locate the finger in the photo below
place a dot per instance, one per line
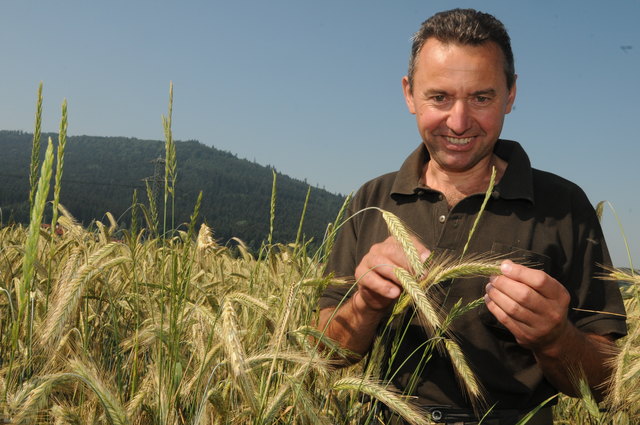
(375, 275)
(518, 302)
(531, 318)
(380, 266)
(380, 280)
(521, 331)
(518, 292)
(537, 280)
(397, 253)
(393, 249)
(423, 251)
(385, 256)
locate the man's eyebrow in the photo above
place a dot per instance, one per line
(485, 92)
(433, 92)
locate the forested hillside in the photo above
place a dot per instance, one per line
(101, 174)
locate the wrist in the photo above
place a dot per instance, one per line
(362, 309)
(556, 347)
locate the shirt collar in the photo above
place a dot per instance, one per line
(516, 183)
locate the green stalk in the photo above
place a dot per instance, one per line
(62, 142)
(31, 246)
(166, 364)
(133, 239)
(272, 211)
(332, 231)
(487, 195)
(152, 217)
(599, 211)
(170, 164)
(304, 211)
(35, 150)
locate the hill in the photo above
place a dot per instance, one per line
(101, 174)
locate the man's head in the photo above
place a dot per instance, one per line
(464, 27)
(459, 90)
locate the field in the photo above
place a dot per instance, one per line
(150, 325)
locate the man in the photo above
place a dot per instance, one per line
(545, 316)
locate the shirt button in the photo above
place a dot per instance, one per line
(440, 197)
(442, 219)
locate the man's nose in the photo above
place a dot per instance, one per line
(459, 120)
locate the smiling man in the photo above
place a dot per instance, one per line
(547, 316)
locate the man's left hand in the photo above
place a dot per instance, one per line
(531, 304)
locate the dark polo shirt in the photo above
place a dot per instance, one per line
(533, 217)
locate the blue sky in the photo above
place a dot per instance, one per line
(313, 87)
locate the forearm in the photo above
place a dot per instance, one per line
(352, 325)
(577, 355)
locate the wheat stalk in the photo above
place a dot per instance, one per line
(65, 415)
(445, 267)
(62, 143)
(205, 238)
(68, 295)
(272, 209)
(448, 268)
(69, 223)
(144, 394)
(31, 244)
(487, 195)
(302, 401)
(33, 397)
(419, 298)
(235, 354)
(114, 410)
(396, 403)
(400, 233)
(170, 164)
(332, 231)
(35, 149)
(302, 216)
(465, 375)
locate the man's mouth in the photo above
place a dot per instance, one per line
(459, 140)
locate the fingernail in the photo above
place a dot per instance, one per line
(425, 255)
(505, 267)
(492, 278)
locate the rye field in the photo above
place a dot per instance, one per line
(157, 323)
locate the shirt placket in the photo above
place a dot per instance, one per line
(451, 225)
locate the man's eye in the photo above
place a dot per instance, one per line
(482, 100)
(439, 98)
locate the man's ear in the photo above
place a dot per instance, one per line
(512, 95)
(408, 94)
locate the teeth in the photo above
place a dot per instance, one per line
(458, 141)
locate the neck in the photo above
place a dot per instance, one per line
(458, 185)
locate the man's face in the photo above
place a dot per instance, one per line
(460, 97)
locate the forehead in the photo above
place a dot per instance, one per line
(443, 59)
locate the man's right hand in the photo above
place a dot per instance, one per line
(354, 324)
(378, 285)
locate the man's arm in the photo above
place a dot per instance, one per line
(534, 307)
(353, 325)
(593, 354)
